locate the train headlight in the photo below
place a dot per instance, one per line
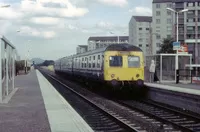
(137, 75)
(113, 75)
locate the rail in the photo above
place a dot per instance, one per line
(110, 114)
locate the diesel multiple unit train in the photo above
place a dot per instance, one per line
(116, 65)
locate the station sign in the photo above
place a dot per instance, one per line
(196, 80)
(176, 45)
(183, 49)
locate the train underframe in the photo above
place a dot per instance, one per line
(114, 84)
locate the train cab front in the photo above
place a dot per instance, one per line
(124, 68)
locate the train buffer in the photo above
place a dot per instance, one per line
(36, 106)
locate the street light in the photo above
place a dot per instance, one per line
(177, 13)
(26, 55)
(117, 36)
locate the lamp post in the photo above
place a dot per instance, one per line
(177, 33)
(26, 54)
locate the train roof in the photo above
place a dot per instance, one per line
(122, 47)
(112, 47)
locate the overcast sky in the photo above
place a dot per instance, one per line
(56, 27)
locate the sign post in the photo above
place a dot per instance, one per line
(176, 46)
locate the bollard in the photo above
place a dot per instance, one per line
(177, 76)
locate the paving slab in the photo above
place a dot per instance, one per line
(25, 112)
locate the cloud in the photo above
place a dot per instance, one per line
(10, 13)
(141, 11)
(120, 3)
(29, 31)
(63, 8)
(5, 26)
(45, 20)
(104, 25)
(49, 34)
(72, 27)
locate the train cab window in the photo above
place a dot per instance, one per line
(115, 60)
(133, 61)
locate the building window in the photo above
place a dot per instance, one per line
(140, 28)
(190, 12)
(169, 13)
(140, 39)
(169, 28)
(157, 13)
(157, 36)
(93, 57)
(157, 5)
(168, 36)
(147, 45)
(169, 5)
(93, 65)
(190, 4)
(98, 57)
(147, 28)
(157, 44)
(157, 21)
(140, 45)
(169, 21)
(190, 20)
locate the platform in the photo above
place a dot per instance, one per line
(38, 107)
(183, 88)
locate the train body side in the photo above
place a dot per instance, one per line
(118, 63)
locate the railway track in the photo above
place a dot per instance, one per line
(97, 117)
(178, 119)
(130, 115)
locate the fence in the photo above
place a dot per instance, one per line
(165, 66)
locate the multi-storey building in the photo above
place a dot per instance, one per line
(140, 32)
(164, 23)
(81, 49)
(100, 42)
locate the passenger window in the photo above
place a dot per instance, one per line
(115, 60)
(133, 61)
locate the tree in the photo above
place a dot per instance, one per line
(167, 46)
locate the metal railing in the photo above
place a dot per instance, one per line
(187, 74)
